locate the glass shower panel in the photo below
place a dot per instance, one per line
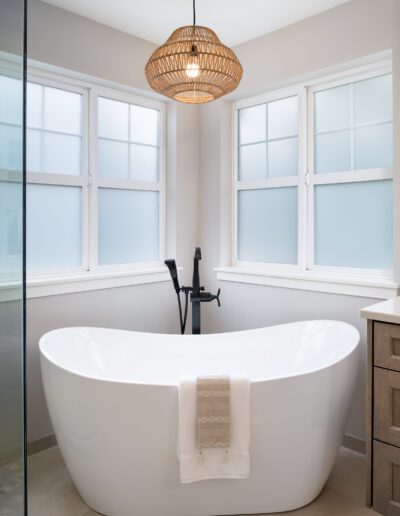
(12, 463)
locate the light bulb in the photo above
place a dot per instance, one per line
(192, 70)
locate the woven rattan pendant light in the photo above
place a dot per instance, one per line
(193, 66)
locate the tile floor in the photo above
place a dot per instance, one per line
(11, 481)
(52, 493)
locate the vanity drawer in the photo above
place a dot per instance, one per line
(387, 345)
(386, 474)
(387, 406)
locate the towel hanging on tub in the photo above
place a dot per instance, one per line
(214, 428)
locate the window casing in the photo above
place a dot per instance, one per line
(95, 204)
(365, 177)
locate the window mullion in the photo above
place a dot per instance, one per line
(85, 177)
(352, 117)
(302, 174)
(93, 181)
(309, 135)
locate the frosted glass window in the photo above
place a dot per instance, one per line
(10, 100)
(267, 225)
(128, 226)
(11, 224)
(62, 154)
(113, 119)
(283, 158)
(367, 143)
(332, 108)
(353, 225)
(33, 150)
(10, 147)
(332, 152)
(253, 124)
(113, 159)
(62, 111)
(144, 125)
(54, 226)
(253, 161)
(373, 146)
(283, 118)
(144, 163)
(54, 121)
(373, 100)
(34, 105)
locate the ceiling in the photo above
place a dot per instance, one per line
(235, 21)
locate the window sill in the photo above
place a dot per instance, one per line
(376, 288)
(42, 286)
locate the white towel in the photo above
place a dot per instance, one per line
(214, 463)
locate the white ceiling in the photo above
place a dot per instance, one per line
(235, 21)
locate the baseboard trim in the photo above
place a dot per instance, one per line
(354, 443)
(41, 444)
(349, 441)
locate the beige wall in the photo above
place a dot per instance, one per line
(353, 30)
(70, 41)
(346, 34)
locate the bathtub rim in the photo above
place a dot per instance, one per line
(43, 354)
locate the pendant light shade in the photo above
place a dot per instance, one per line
(193, 66)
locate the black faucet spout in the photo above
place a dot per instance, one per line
(195, 297)
(196, 275)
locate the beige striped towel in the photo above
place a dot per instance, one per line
(213, 463)
(213, 412)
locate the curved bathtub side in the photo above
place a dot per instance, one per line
(119, 443)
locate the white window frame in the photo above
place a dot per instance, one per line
(287, 181)
(306, 275)
(90, 275)
(55, 179)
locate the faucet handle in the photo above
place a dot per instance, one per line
(207, 297)
(217, 297)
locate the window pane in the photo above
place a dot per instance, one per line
(332, 109)
(353, 225)
(283, 158)
(332, 152)
(54, 226)
(33, 150)
(10, 100)
(34, 105)
(62, 111)
(128, 226)
(144, 163)
(253, 161)
(267, 225)
(253, 124)
(113, 158)
(144, 125)
(283, 118)
(10, 228)
(373, 146)
(62, 154)
(373, 100)
(10, 147)
(113, 119)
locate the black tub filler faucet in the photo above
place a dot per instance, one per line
(197, 294)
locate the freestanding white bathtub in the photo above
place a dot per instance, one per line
(113, 401)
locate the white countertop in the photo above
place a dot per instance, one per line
(386, 311)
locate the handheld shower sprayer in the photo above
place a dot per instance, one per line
(171, 264)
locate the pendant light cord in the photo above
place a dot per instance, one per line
(194, 12)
